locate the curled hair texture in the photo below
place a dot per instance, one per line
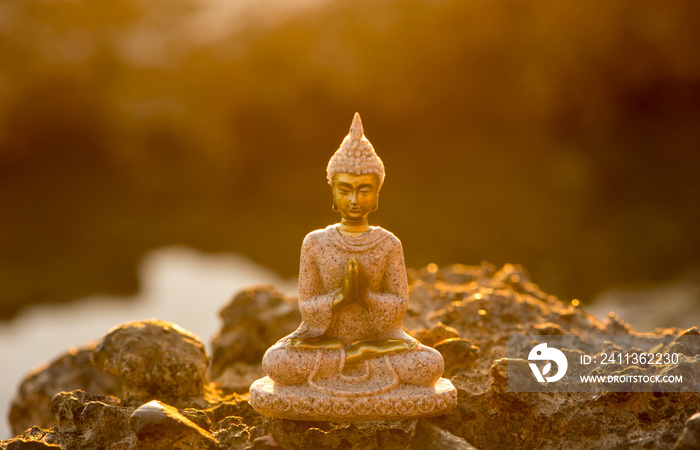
(356, 155)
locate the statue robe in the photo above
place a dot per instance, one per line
(324, 257)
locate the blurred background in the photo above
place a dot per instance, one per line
(561, 136)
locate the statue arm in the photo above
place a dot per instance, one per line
(388, 306)
(315, 307)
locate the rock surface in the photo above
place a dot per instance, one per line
(255, 319)
(690, 437)
(71, 370)
(155, 359)
(157, 425)
(465, 312)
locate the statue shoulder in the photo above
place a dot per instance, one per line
(316, 238)
(389, 238)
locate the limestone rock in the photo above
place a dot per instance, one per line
(33, 438)
(72, 370)
(155, 360)
(233, 432)
(160, 426)
(690, 438)
(387, 435)
(500, 374)
(479, 304)
(25, 444)
(254, 320)
(457, 353)
(431, 437)
(437, 333)
(94, 421)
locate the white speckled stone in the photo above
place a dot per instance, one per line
(301, 403)
(316, 384)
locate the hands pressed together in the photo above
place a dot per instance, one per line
(354, 287)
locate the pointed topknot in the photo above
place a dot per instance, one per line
(356, 131)
(356, 155)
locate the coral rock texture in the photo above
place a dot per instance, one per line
(157, 425)
(71, 370)
(466, 312)
(154, 359)
(252, 322)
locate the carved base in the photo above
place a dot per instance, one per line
(303, 402)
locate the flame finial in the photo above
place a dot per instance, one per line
(356, 131)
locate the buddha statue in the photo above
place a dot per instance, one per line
(350, 358)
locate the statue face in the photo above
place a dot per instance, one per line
(355, 195)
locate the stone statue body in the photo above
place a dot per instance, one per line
(324, 258)
(350, 358)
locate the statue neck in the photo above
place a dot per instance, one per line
(353, 227)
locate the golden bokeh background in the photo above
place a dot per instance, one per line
(560, 135)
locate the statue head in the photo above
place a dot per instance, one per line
(355, 156)
(356, 175)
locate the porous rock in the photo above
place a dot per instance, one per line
(457, 353)
(428, 436)
(85, 420)
(436, 333)
(71, 370)
(26, 444)
(160, 426)
(459, 308)
(690, 438)
(253, 321)
(155, 360)
(32, 438)
(486, 306)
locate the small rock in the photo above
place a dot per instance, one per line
(67, 407)
(232, 432)
(160, 426)
(687, 343)
(436, 333)
(457, 353)
(614, 325)
(255, 319)
(72, 370)
(236, 408)
(197, 416)
(690, 437)
(264, 442)
(155, 359)
(23, 444)
(547, 329)
(512, 374)
(86, 420)
(429, 436)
